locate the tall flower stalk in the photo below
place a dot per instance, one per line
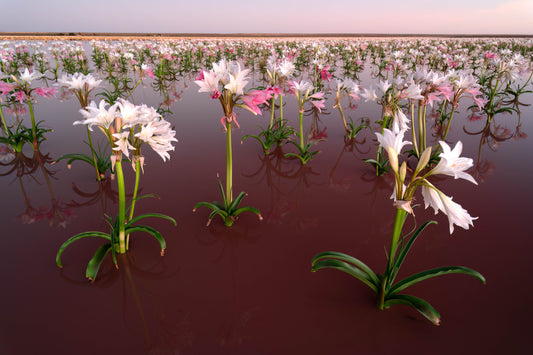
(23, 91)
(81, 86)
(127, 127)
(304, 92)
(226, 82)
(387, 291)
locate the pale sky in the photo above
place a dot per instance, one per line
(271, 16)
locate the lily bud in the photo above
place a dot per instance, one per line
(424, 160)
(403, 172)
(393, 159)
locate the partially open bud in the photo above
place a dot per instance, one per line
(393, 159)
(424, 160)
(403, 172)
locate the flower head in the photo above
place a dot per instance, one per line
(439, 201)
(452, 164)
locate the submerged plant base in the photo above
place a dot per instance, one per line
(305, 152)
(115, 242)
(228, 210)
(272, 135)
(386, 290)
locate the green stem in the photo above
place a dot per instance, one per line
(449, 124)
(272, 109)
(396, 233)
(343, 119)
(33, 126)
(413, 131)
(280, 108)
(301, 127)
(423, 146)
(121, 206)
(95, 162)
(229, 166)
(8, 133)
(137, 179)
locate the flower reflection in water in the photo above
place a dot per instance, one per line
(22, 165)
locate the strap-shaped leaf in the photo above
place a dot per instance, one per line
(96, 261)
(348, 258)
(207, 204)
(233, 206)
(158, 215)
(75, 238)
(223, 194)
(246, 209)
(403, 252)
(347, 268)
(413, 279)
(417, 303)
(150, 231)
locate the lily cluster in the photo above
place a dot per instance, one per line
(226, 81)
(127, 126)
(450, 164)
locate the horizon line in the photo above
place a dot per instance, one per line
(67, 34)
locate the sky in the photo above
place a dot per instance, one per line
(271, 16)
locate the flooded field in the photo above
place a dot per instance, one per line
(249, 288)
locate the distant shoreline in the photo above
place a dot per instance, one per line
(110, 35)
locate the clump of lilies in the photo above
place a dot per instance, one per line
(387, 291)
(81, 86)
(127, 127)
(21, 90)
(304, 91)
(226, 81)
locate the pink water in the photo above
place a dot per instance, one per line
(249, 289)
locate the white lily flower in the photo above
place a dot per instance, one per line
(439, 201)
(393, 143)
(452, 164)
(122, 143)
(98, 116)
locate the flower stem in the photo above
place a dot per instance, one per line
(33, 126)
(134, 199)
(95, 162)
(280, 108)
(272, 111)
(413, 128)
(301, 127)
(121, 207)
(386, 280)
(137, 179)
(448, 125)
(229, 166)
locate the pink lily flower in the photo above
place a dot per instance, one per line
(319, 104)
(275, 90)
(46, 92)
(5, 87)
(254, 98)
(19, 96)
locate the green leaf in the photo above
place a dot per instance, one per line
(158, 215)
(236, 202)
(403, 252)
(150, 231)
(246, 209)
(348, 258)
(223, 194)
(96, 261)
(207, 204)
(347, 268)
(75, 238)
(413, 279)
(417, 303)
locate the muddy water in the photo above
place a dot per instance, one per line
(249, 289)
